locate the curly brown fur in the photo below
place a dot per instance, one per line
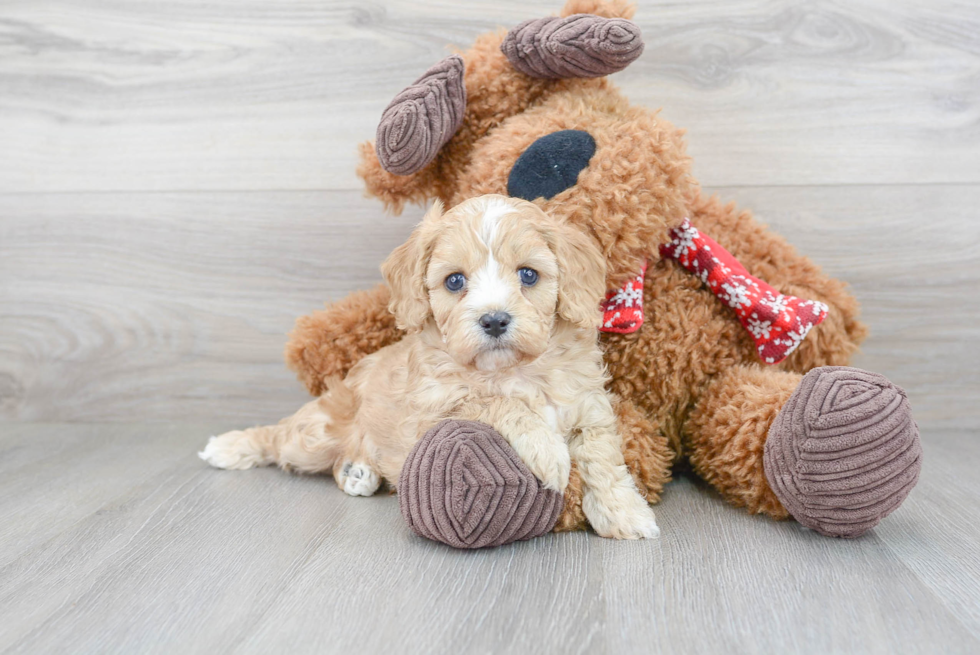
(629, 197)
(690, 380)
(727, 434)
(572, 517)
(329, 342)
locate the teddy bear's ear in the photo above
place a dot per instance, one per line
(414, 126)
(404, 271)
(422, 118)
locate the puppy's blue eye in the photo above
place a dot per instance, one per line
(455, 281)
(529, 276)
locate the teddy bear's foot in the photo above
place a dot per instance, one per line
(844, 451)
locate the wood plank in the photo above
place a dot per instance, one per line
(52, 475)
(129, 549)
(191, 559)
(245, 94)
(730, 582)
(154, 306)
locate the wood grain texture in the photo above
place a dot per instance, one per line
(168, 555)
(251, 94)
(159, 306)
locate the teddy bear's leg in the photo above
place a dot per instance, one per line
(327, 343)
(836, 449)
(726, 434)
(464, 485)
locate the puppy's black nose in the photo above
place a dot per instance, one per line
(495, 323)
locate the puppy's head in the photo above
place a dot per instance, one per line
(495, 275)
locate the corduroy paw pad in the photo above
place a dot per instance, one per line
(463, 485)
(844, 451)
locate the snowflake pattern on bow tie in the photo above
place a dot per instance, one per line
(778, 323)
(622, 310)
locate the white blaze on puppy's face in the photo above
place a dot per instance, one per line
(488, 240)
(489, 289)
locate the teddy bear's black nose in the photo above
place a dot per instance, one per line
(495, 323)
(550, 165)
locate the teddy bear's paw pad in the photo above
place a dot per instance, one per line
(360, 480)
(582, 45)
(422, 118)
(233, 450)
(465, 486)
(844, 451)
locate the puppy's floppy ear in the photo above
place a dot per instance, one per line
(404, 271)
(581, 276)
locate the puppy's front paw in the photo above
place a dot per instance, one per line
(552, 465)
(359, 480)
(233, 450)
(620, 513)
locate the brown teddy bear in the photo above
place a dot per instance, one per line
(745, 381)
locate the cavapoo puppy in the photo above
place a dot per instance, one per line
(501, 303)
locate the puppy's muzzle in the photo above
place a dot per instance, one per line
(495, 323)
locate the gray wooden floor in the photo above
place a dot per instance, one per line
(178, 185)
(116, 538)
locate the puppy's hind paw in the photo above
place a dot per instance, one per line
(360, 480)
(233, 450)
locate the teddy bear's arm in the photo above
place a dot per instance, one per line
(327, 343)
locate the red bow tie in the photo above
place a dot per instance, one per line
(777, 322)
